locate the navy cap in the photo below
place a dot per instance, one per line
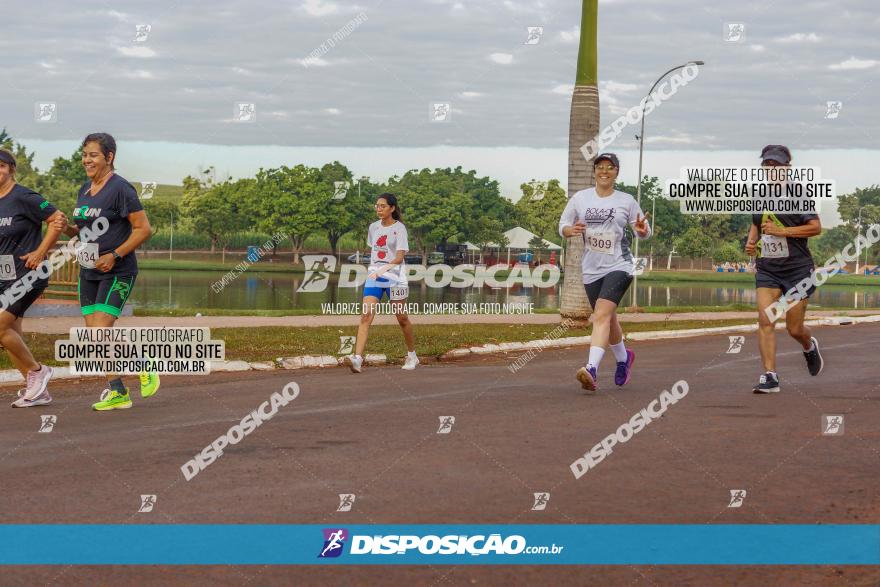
(7, 157)
(607, 157)
(778, 153)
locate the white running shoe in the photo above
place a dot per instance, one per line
(354, 363)
(37, 382)
(41, 400)
(411, 363)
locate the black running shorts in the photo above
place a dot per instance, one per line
(104, 295)
(610, 287)
(786, 279)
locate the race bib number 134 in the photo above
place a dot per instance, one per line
(87, 254)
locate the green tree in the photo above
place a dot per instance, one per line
(342, 215)
(61, 184)
(694, 243)
(539, 213)
(486, 230)
(290, 200)
(447, 204)
(830, 242)
(868, 199)
(161, 213)
(214, 209)
(729, 252)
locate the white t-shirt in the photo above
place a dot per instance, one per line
(385, 242)
(606, 243)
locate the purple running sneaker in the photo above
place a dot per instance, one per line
(624, 369)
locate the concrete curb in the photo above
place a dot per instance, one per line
(573, 341)
(321, 361)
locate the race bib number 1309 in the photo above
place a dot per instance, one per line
(600, 241)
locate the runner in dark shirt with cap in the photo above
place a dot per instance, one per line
(23, 274)
(784, 260)
(108, 266)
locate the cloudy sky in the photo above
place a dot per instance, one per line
(171, 99)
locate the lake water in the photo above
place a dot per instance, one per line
(266, 290)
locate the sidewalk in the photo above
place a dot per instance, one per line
(63, 324)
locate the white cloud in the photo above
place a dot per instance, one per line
(572, 36)
(332, 111)
(313, 62)
(679, 140)
(120, 16)
(800, 38)
(471, 95)
(853, 63)
(617, 87)
(758, 48)
(141, 51)
(139, 74)
(319, 7)
(502, 58)
(563, 89)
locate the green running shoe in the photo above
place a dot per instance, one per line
(112, 400)
(149, 383)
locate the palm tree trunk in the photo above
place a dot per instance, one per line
(583, 127)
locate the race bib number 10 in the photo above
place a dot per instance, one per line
(600, 241)
(774, 247)
(87, 254)
(7, 268)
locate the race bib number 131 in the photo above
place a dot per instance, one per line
(774, 247)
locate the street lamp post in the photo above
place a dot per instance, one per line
(171, 242)
(635, 301)
(858, 242)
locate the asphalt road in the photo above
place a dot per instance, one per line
(375, 435)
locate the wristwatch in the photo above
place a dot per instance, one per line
(116, 255)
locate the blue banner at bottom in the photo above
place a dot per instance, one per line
(636, 544)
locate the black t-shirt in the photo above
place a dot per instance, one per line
(115, 201)
(22, 212)
(798, 251)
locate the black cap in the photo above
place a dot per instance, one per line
(778, 153)
(607, 157)
(6, 157)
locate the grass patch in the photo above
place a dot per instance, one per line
(269, 343)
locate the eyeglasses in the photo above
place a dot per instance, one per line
(606, 168)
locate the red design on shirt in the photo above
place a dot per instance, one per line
(380, 254)
(382, 240)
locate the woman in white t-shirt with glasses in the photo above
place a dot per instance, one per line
(601, 215)
(388, 241)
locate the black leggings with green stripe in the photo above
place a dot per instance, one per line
(105, 295)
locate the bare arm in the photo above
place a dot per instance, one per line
(33, 259)
(811, 228)
(140, 232)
